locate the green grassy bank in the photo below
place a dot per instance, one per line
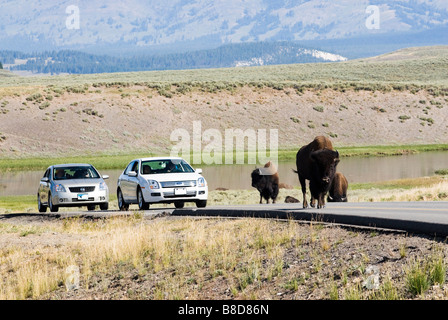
(102, 162)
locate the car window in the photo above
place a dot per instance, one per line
(165, 166)
(133, 166)
(47, 173)
(75, 172)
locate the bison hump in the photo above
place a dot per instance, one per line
(321, 142)
(269, 169)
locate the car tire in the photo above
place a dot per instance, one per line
(53, 207)
(40, 206)
(104, 206)
(179, 204)
(142, 205)
(122, 205)
(91, 207)
(201, 203)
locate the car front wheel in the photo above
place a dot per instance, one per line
(53, 207)
(142, 205)
(201, 203)
(179, 204)
(123, 206)
(40, 206)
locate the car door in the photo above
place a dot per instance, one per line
(133, 181)
(44, 186)
(127, 182)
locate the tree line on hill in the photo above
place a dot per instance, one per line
(76, 62)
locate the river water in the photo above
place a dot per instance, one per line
(356, 169)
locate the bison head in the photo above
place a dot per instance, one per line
(324, 163)
(257, 178)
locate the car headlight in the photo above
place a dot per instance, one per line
(103, 186)
(201, 182)
(59, 188)
(153, 184)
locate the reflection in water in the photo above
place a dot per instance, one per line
(356, 169)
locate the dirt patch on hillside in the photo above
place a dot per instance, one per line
(115, 119)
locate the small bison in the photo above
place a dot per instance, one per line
(265, 180)
(338, 189)
(317, 163)
(290, 199)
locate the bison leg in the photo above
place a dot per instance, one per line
(313, 201)
(321, 201)
(303, 184)
(261, 198)
(275, 190)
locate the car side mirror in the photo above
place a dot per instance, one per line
(105, 177)
(45, 179)
(132, 174)
(199, 171)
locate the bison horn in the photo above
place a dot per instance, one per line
(336, 159)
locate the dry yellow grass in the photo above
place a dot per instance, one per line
(432, 192)
(186, 246)
(187, 258)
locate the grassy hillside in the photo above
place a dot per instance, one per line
(396, 99)
(5, 74)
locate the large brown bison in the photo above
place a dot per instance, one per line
(317, 163)
(265, 180)
(338, 189)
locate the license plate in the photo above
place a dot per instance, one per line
(180, 191)
(83, 197)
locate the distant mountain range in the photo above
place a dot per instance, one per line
(149, 26)
(66, 36)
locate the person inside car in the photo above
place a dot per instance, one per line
(60, 174)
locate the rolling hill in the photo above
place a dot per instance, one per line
(400, 98)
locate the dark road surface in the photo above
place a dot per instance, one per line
(415, 217)
(430, 218)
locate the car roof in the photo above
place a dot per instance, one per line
(159, 158)
(71, 165)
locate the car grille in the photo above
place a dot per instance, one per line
(81, 189)
(77, 200)
(176, 184)
(169, 195)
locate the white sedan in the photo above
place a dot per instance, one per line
(161, 180)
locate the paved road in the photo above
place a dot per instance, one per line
(429, 218)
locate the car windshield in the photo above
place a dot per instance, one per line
(75, 172)
(165, 166)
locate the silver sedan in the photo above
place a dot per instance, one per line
(72, 185)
